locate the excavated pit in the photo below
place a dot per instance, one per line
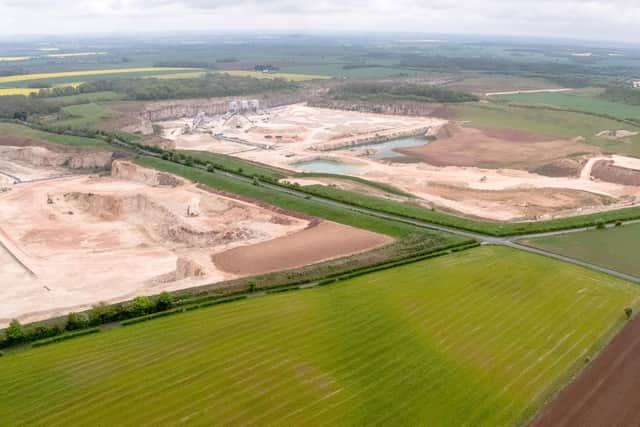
(23, 160)
(90, 239)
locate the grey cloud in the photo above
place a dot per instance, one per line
(581, 18)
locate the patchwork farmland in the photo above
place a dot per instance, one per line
(482, 337)
(318, 231)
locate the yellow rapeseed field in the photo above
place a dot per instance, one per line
(28, 91)
(68, 55)
(14, 58)
(17, 91)
(188, 75)
(26, 77)
(286, 76)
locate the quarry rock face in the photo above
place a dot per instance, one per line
(160, 111)
(40, 156)
(392, 108)
(132, 172)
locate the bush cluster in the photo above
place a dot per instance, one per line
(100, 314)
(395, 90)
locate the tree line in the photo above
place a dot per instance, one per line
(364, 91)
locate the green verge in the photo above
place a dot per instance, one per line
(417, 212)
(501, 229)
(281, 200)
(390, 189)
(481, 337)
(243, 167)
(616, 248)
(14, 129)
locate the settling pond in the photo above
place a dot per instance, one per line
(387, 150)
(327, 166)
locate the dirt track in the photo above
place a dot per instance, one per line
(607, 393)
(323, 242)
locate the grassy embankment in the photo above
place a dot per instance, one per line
(480, 338)
(12, 129)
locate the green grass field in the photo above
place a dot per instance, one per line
(12, 129)
(550, 123)
(83, 98)
(559, 124)
(616, 248)
(86, 115)
(577, 101)
(478, 338)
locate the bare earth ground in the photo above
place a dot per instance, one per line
(317, 244)
(90, 239)
(497, 149)
(497, 175)
(607, 393)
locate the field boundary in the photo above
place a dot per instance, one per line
(203, 301)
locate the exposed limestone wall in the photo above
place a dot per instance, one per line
(370, 139)
(132, 172)
(169, 110)
(40, 156)
(404, 108)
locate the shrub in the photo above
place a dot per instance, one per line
(141, 306)
(628, 312)
(164, 301)
(618, 223)
(40, 332)
(14, 333)
(210, 168)
(76, 321)
(101, 314)
(252, 285)
(600, 225)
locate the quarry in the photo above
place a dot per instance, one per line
(67, 243)
(448, 165)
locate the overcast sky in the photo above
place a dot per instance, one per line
(590, 19)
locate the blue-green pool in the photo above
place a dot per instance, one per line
(327, 166)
